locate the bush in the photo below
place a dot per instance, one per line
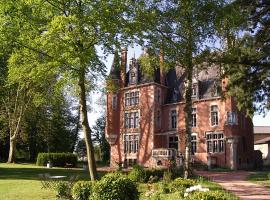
(63, 190)
(167, 176)
(268, 175)
(137, 174)
(211, 195)
(180, 184)
(115, 186)
(57, 159)
(82, 190)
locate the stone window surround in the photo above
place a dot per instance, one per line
(223, 139)
(196, 141)
(132, 111)
(196, 115)
(210, 114)
(170, 119)
(129, 92)
(138, 144)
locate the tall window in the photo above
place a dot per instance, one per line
(214, 115)
(131, 143)
(173, 119)
(194, 117)
(173, 142)
(231, 118)
(215, 142)
(132, 120)
(158, 119)
(114, 102)
(159, 96)
(132, 98)
(193, 143)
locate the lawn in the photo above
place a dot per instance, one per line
(260, 177)
(21, 181)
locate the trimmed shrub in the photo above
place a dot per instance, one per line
(137, 174)
(115, 186)
(82, 190)
(180, 184)
(268, 175)
(211, 195)
(63, 190)
(57, 159)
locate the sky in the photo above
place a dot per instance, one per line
(258, 120)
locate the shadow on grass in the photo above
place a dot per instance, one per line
(31, 172)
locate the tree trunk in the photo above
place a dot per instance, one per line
(12, 149)
(86, 128)
(188, 107)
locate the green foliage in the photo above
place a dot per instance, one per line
(63, 190)
(115, 186)
(180, 183)
(268, 175)
(82, 190)
(137, 174)
(211, 195)
(167, 176)
(57, 159)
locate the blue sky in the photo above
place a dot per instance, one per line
(258, 120)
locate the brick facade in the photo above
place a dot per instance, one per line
(141, 126)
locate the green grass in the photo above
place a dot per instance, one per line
(260, 177)
(145, 188)
(21, 181)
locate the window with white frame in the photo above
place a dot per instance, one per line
(132, 98)
(214, 115)
(158, 119)
(193, 143)
(114, 101)
(173, 119)
(215, 142)
(231, 118)
(132, 119)
(131, 143)
(173, 142)
(194, 117)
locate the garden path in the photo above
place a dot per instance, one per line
(236, 182)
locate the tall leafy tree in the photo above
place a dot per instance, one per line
(246, 58)
(60, 38)
(181, 31)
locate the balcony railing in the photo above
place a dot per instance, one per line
(164, 153)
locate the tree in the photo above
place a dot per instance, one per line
(98, 134)
(246, 59)
(179, 30)
(60, 39)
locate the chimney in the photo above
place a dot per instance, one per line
(123, 66)
(161, 69)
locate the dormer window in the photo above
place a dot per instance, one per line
(215, 90)
(194, 91)
(132, 79)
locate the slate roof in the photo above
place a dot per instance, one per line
(115, 68)
(207, 79)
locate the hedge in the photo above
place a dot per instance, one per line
(57, 159)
